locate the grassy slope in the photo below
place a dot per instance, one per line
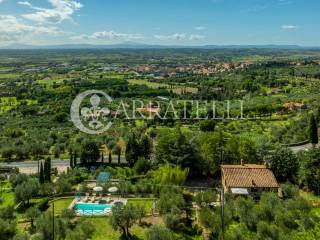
(60, 205)
(312, 198)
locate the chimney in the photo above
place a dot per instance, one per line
(242, 163)
(253, 183)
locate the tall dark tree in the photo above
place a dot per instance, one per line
(47, 170)
(132, 149)
(313, 130)
(119, 156)
(110, 157)
(102, 157)
(41, 174)
(145, 146)
(75, 159)
(90, 153)
(176, 149)
(317, 116)
(71, 161)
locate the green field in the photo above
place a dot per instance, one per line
(8, 103)
(8, 75)
(175, 88)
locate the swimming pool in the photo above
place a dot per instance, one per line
(90, 209)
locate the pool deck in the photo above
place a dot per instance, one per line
(97, 200)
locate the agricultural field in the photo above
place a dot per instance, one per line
(155, 85)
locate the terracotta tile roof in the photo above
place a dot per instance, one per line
(248, 176)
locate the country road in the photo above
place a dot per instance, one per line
(32, 166)
(305, 147)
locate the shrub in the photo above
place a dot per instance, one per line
(289, 191)
(207, 125)
(284, 164)
(142, 166)
(43, 204)
(158, 232)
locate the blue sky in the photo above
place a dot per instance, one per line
(166, 22)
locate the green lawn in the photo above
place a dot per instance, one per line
(147, 203)
(7, 198)
(105, 231)
(6, 194)
(60, 205)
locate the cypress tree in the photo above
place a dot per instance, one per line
(49, 166)
(41, 175)
(313, 131)
(47, 170)
(71, 161)
(75, 159)
(317, 116)
(119, 156)
(132, 149)
(102, 157)
(110, 157)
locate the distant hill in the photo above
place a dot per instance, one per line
(150, 46)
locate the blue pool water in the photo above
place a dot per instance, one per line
(92, 209)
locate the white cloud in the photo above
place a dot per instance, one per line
(109, 36)
(25, 3)
(13, 29)
(196, 37)
(200, 28)
(176, 36)
(289, 27)
(61, 10)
